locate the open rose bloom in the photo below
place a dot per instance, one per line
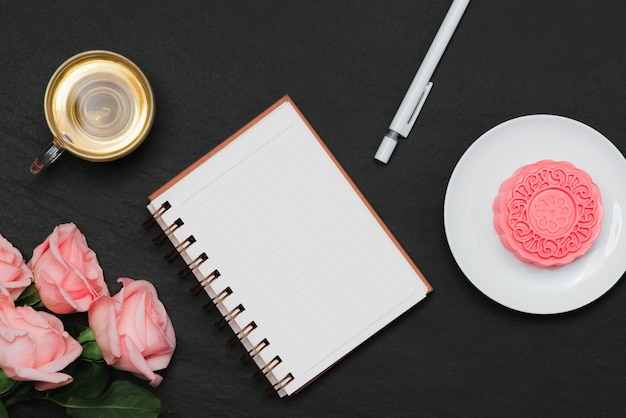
(15, 276)
(66, 271)
(34, 345)
(133, 330)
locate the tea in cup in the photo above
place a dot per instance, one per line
(99, 107)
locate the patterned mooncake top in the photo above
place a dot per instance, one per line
(548, 213)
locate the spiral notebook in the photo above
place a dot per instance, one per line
(288, 249)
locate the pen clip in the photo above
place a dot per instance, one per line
(420, 103)
(399, 129)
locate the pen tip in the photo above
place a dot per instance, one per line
(386, 148)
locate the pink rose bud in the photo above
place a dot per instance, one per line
(15, 276)
(34, 346)
(133, 330)
(66, 271)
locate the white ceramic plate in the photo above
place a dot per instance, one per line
(468, 214)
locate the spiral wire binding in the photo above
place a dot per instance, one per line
(232, 314)
(206, 281)
(159, 238)
(219, 298)
(280, 385)
(254, 351)
(267, 368)
(242, 333)
(174, 252)
(147, 224)
(185, 271)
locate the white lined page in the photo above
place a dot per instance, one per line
(296, 243)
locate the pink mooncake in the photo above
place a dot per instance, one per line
(548, 213)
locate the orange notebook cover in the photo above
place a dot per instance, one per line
(289, 250)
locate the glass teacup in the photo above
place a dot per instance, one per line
(99, 107)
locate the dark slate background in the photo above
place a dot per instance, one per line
(214, 65)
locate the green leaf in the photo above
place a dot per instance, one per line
(91, 351)
(6, 384)
(86, 336)
(21, 391)
(122, 399)
(3, 411)
(30, 297)
(90, 380)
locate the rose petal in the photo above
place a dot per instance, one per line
(140, 329)
(34, 346)
(16, 347)
(103, 322)
(44, 380)
(134, 362)
(54, 297)
(69, 264)
(15, 276)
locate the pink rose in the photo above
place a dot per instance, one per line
(133, 330)
(15, 276)
(34, 346)
(67, 274)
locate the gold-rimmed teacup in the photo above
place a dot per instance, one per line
(99, 106)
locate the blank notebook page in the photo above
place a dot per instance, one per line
(302, 254)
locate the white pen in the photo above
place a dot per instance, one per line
(416, 95)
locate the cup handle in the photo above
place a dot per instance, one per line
(46, 158)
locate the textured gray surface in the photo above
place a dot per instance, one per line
(216, 65)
